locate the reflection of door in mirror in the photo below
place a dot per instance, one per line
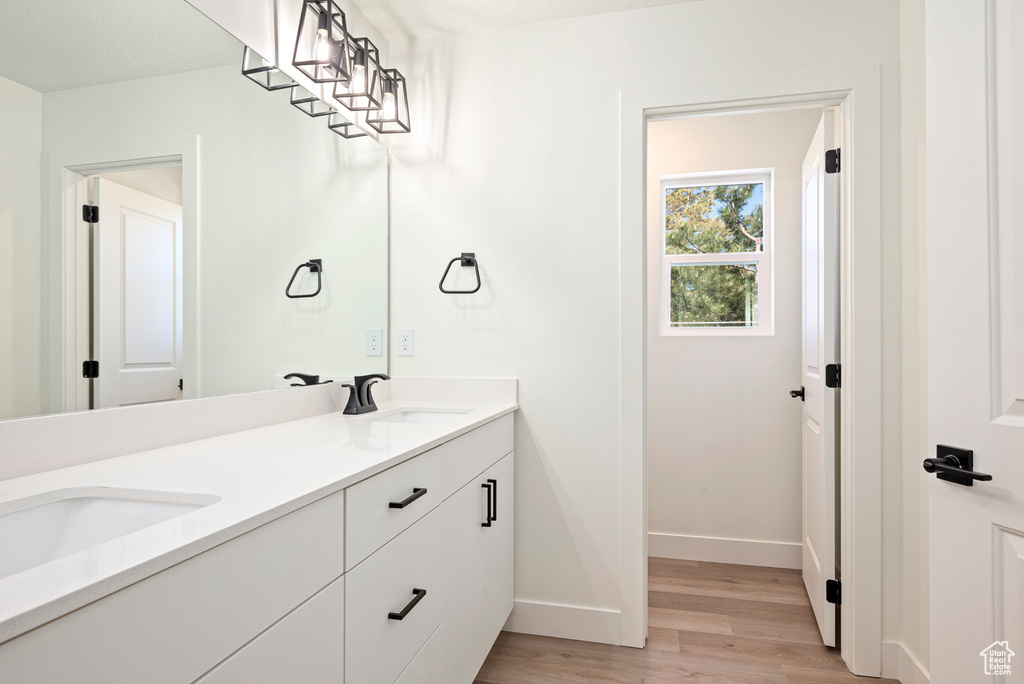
(136, 308)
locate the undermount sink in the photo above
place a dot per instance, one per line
(48, 526)
(417, 415)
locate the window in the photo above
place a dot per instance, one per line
(716, 253)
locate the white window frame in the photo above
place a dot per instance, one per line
(763, 259)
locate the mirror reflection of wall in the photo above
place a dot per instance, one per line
(154, 102)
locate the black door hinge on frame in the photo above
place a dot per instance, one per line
(181, 383)
(834, 375)
(90, 213)
(90, 369)
(834, 592)
(832, 161)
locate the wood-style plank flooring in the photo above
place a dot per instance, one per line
(708, 623)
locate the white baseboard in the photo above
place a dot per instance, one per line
(911, 671)
(566, 622)
(768, 554)
(891, 659)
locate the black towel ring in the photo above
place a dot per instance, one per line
(468, 259)
(314, 266)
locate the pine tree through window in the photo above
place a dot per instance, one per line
(716, 259)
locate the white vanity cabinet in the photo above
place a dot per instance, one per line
(459, 554)
(312, 596)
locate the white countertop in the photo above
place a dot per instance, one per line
(259, 475)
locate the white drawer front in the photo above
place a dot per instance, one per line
(370, 520)
(377, 647)
(306, 646)
(176, 625)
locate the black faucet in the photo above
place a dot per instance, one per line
(359, 398)
(306, 379)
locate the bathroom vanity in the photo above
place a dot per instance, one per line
(359, 549)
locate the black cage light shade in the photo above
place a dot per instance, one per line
(343, 127)
(393, 115)
(363, 92)
(322, 47)
(258, 69)
(309, 103)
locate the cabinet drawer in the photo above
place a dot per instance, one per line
(371, 521)
(377, 647)
(307, 646)
(176, 625)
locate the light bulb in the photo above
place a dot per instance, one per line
(388, 109)
(322, 47)
(358, 82)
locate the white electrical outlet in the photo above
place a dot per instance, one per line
(374, 342)
(406, 337)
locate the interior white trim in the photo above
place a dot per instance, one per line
(598, 625)
(911, 671)
(856, 90)
(770, 554)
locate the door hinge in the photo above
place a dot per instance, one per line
(834, 592)
(834, 375)
(181, 384)
(90, 213)
(832, 161)
(90, 369)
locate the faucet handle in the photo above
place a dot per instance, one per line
(306, 379)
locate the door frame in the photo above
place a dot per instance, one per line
(856, 91)
(66, 279)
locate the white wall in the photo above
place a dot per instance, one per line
(514, 154)
(163, 182)
(723, 434)
(276, 188)
(21, 279)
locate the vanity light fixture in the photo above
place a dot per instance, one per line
(323, 47)
(393, 115)
(343, 127)
(363, 92)
(263, 72)
(310, 103)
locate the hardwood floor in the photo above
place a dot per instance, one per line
(708, 623)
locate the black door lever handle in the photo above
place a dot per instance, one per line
(955, 465)
(797, 393)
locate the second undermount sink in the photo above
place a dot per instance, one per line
(48, 526)
(419, 415)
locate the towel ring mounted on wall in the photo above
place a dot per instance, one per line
(314, 266)
(468, 259)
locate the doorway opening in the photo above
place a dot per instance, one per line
(128, 282)
(742, 305)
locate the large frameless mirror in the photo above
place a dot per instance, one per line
(154, 205)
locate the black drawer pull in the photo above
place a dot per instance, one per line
(418, 596)
(494, 507)
(490, 499)
(416, 493)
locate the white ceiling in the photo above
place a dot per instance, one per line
(399, 19)
(52, 45)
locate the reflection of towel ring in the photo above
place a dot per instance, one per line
(468, 259)
(314, 266)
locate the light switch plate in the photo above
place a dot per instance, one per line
(406, 339)
(374, 342)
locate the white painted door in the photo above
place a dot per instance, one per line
(137, 297)
(975, 171)
(819, 406)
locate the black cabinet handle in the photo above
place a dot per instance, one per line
(797, 394)
(490, 502)
(494, 505)
(416, 493)
(418, 595)
(954, 465)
